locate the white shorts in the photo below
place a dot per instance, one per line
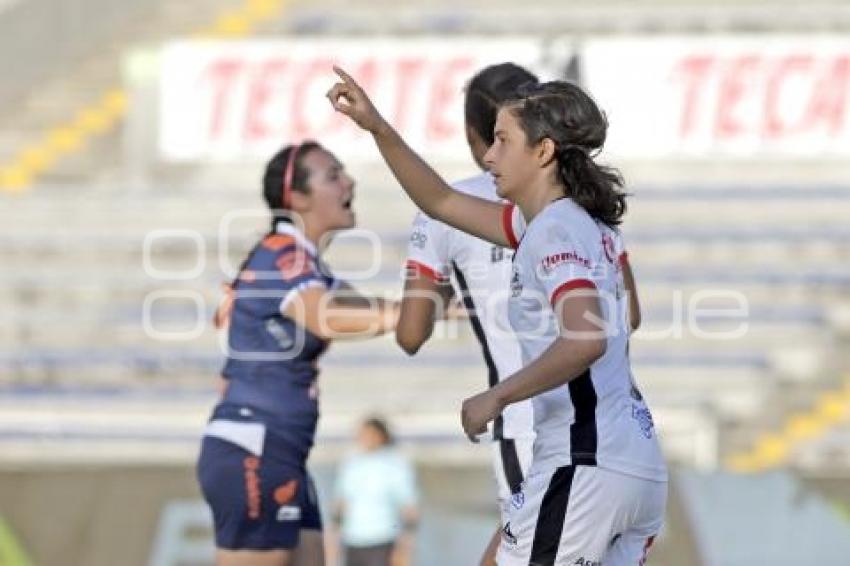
(582, 515)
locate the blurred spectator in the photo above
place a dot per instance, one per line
(375, 506)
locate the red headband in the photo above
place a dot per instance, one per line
(288, 174)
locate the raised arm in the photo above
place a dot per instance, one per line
(479, 217)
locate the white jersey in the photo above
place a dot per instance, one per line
(482, 275)
(598, 418)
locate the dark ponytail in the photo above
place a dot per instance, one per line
(564, 113)
(596, 188)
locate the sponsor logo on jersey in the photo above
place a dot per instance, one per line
(551, 261)
(516, 284)
(280, 335)
(518, 500)
(507, 535)
(498, 254)
(289, 513)
(644, 420)
(252, 486)
(585, 562)
(418, 239)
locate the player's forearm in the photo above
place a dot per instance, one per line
(418, 315)
(562, 362)
(349, 323)
(422, 184)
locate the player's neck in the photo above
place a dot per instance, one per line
(537, 197)
(314, 233)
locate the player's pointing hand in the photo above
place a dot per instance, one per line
(350, 99)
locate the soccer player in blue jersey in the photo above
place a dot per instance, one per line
(284, 308)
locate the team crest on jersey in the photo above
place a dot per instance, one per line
(518, 500)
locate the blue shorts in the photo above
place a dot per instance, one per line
(257, 502)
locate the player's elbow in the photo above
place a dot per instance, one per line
(593, 348)
(634, 321)
(408, 342)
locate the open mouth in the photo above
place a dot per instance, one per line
(346, 204)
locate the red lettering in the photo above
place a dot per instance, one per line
(828, 104)
(223, 74)
(252, 486)
(695, 69)
(259, 91)
(408, 71)
(446, 88)
(302, 95)
(733, 84)
(773, 124)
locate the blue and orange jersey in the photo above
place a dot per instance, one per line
(271, 366)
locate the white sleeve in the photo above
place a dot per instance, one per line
(427, 250)
(513, 222)
(562, 261)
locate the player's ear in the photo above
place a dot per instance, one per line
(545, 151)
(300, 201)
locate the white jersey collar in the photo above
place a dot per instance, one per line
(282, 227)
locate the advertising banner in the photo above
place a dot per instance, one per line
(240, 101)
(733, 97)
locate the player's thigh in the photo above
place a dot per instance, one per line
(311, 545)
(253, 558)
(489, 556)
(630, 549)
(631, 545)
(310, 550)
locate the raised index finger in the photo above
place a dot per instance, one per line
(346, 78)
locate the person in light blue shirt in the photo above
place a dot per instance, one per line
(376, 500)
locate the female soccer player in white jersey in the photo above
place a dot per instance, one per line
(481, 272)
(597, 487)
